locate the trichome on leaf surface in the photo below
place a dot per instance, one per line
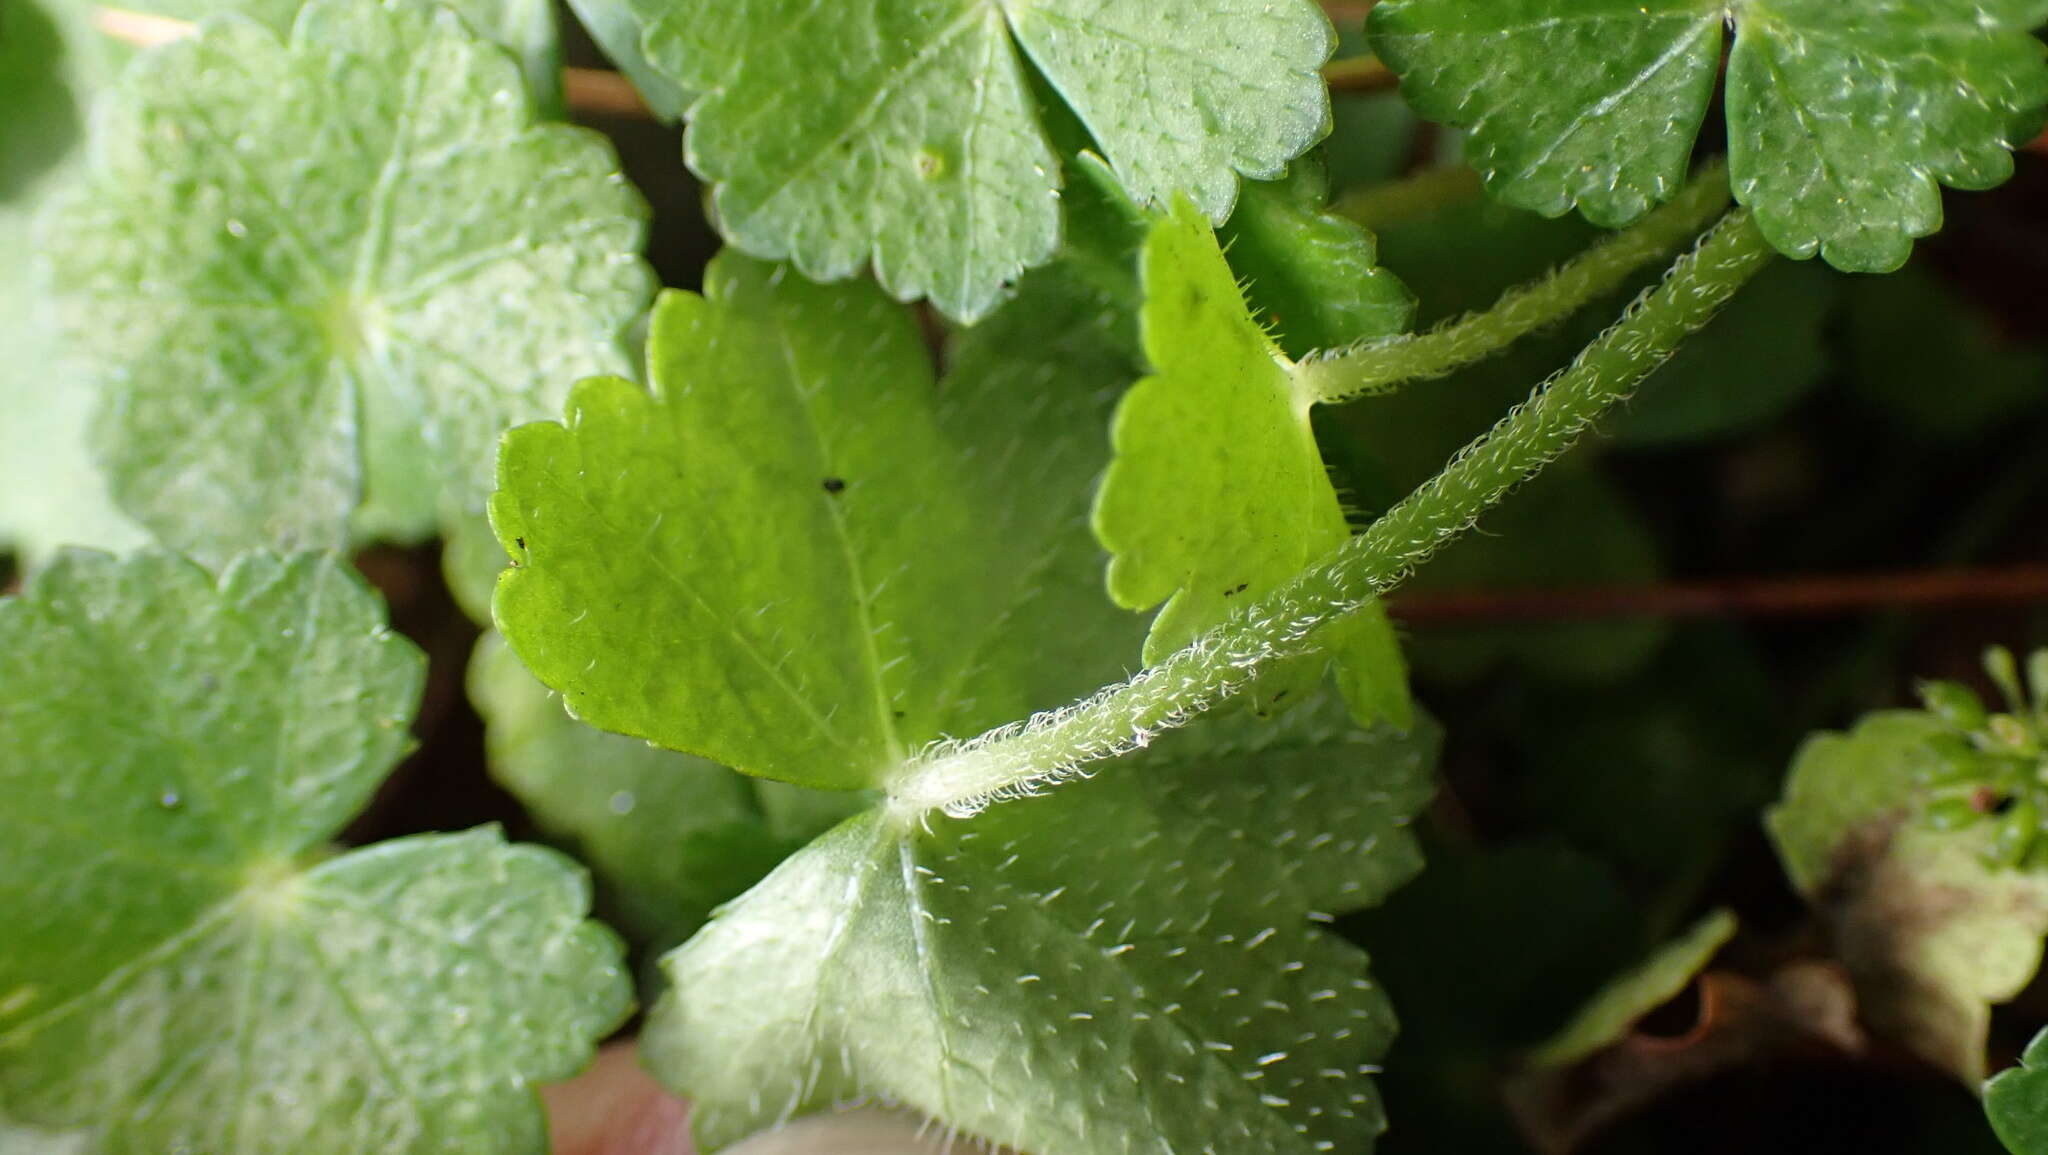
(962, 638)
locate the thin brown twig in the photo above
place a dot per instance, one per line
(602, 92)
(1347, 11)
(1359, 74)
(1819, 596)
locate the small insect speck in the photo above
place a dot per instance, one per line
(835, 485)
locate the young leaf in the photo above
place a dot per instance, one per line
(1314, 277)
(2016, 1099)
(327, 273)
(1931, 933)
(188, 968)
(670, 836)
(1217, 493)
(920, 147)
(847, 562)
(1844, 119)
(1123, 965)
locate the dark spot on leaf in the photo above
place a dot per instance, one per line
(1985, 800)
(1239, 588)
(835, 486)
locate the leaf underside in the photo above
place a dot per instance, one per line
(1126, 964)
(325, 274)
(187, 968)
(670, 836)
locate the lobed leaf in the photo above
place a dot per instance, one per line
(525, 27)
(1125, 963)
(846, 562)
(1844, 120)
(1312, 277)
(670, 836)
(189, 967)
(324, 274)
(1217, 493)
(1931, 934)
(921, 149)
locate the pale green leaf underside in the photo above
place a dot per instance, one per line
(18, 1140)
(1843, 119)
(1217, 493)
(52, 63)
(1124, 965)
(845, 562)
(182, 971)
(324, 275)
(920, 149)
(525, 27)
(51, 493)
(1932, 935)
(670, 836)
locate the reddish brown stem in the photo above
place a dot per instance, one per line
(1738, 598)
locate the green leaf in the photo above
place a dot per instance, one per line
(1313, 277)
(906, 133)
(324, 274)
(1931, 934)
(526, 27)
(669, 835)
(1631, 995)
(51, 493)
(1844, 119)
(847, 562)
(1124, 964)
(1217, 494)
(2017, 1101)
(188, 967)
(1072, 323)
